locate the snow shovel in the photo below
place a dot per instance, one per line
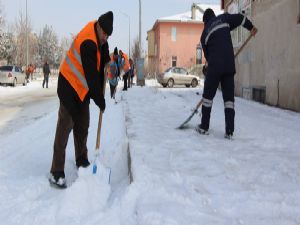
(191, 116)
(97, 150)
(243, 45)
(201, 101)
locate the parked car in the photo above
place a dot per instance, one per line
(177, 76)
(12, 75)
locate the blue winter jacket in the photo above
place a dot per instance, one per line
(216, 41)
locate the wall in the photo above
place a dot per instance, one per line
(187, 38)
(272, 57)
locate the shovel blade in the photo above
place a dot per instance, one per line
(102, 171)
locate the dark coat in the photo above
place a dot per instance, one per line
(46, 69)
(68, 96)
(216, 41)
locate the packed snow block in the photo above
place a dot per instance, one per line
(93, 187)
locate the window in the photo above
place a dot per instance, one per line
(183, 71)
(173, 34)
(174, 61)
(6, 68)
(240, 34)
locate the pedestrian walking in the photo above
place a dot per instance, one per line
(46, 72)
(81, 77)
(132, 67)
(218, 51)
(114, 72)
(125, 68)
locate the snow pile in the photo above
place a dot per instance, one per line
(178, 176)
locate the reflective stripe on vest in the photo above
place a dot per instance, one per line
(71, 67)
(76, 54)
(77, 73)
(220, 26)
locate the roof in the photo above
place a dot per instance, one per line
(187, 16)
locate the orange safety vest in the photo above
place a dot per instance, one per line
(71, 68)
(126, 65)
(109, 74)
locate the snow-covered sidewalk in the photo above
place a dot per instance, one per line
(178, 176)
(186, 178)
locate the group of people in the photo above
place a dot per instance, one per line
(29, 72)
(120, 67)
(46, 72)
(81, 78)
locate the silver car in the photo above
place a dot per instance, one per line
(12, 75)
(177, 76)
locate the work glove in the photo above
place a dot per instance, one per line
(100, 102)
(253, 31)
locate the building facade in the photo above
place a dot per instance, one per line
(174, 40)
(268, 69)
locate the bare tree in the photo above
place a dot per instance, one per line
(65, 44)
(21, 31)
(34, 49)
(48, 46)
(1, 18)
(7, 47)
(136, 51)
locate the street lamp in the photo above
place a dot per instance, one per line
(128, 32)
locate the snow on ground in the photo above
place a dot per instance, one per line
(179, 176)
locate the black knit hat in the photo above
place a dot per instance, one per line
(116, 51)
(106, 22)
(208, 14)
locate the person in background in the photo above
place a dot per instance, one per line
(125, 68)
(132, 67)
(218, 51)
(27, 72)
(81, 77)
(31, 70)
(46, 72)
(114, 72)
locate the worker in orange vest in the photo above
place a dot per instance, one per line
(113, 72)
(125, 68)
(81, 77)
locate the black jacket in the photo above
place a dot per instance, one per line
(46, 69)
(68, 96)
(216, 41)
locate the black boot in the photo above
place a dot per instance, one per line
(82, 162)
(57, 179)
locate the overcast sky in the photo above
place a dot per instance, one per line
(69, 16)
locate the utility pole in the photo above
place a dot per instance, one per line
(26, 37)
(140, 27)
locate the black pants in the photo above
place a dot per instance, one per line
(125, 78)
(65, 123)
(211, 83)
(46, 79)
(113, 90)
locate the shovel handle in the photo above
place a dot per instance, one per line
(199, 104)
(101, 113)
(99, 131)
(243, 46)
